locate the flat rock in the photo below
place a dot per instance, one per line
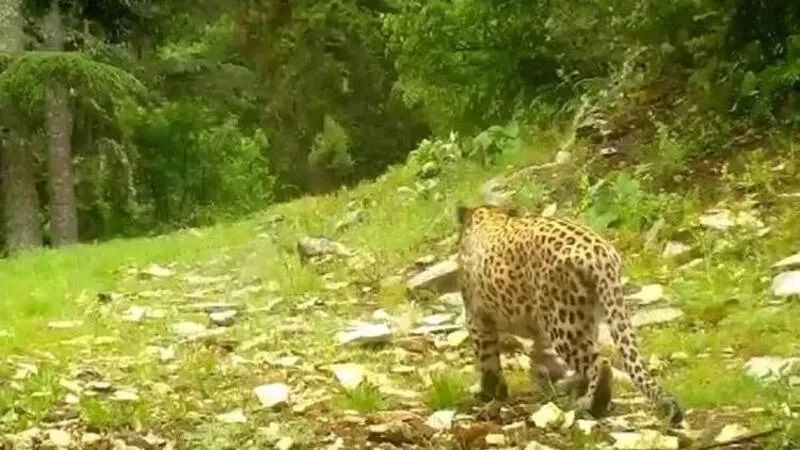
(186, 328)
(64, 324)
(656, 316)
(366, 333)
(311, 246)
(786, 284)
(537, 446)
(272, 395)
(441, 277)
(649, 293)
(124, 395)
(437, 319)
(235, 416)
(441, 420)
(644, 440)
(349, 375)
(674, 248)
(496, 439)
(772, 367)
(730, 432)
(456, 338)
(135, 314)
(223, 318)
(789, 261)
(59, 438)
(156, 271)
(548, 416)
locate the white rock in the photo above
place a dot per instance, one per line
(272, 395)
(649, 293)
(89, 439)
(349, 375)
(563, 157)
(496, 439)
(586, 426)
(24, 370)
(569, 420)
(548, 416)
(655, 316)
(59, 438)
(730, 432)
(223, 318)
(157, 271)
(644, 440)
(187, 329)
(718, 220)
(235, 416)
(284, 443)
(166, 354)
(441, 420)
(135, 314)
(381, 315)
(72, 399)
(452, 299)
(786, 284)
(437, 319)
(549, 210)
(124, 395)
(442, 277)
(772, 367)
(367, 333)
(64, 324)
(793, 260)
(673, 248)
(456, 338)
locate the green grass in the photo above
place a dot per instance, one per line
(180, 398)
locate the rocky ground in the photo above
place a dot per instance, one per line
(305, 342)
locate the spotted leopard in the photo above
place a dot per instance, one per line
(551, 280)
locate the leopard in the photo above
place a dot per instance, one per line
(552, 280)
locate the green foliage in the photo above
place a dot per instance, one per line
(27, 77)
(496, 140)
(330, 149)
(448, 390)
(619, 201)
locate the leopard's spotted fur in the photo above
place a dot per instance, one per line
(553, 281)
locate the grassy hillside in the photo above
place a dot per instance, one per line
(168, 388)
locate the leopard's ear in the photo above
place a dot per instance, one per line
(462, 214)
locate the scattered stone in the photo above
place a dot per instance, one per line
(673, 248)
(655, 316)
(135, 314)
(644, 440)
(537, 446)
(64, 324)
(90, 439)
(366, 333)
(563, 157)
(730, 432)
(187, 329)
(99, 386)
(223, 318)
(59, 438)
(441, 277)
(284, 443)
(351, 218)
(24, 370)
(456, 338)
(441, 420)
(437, 319)
(649, 293)
(235, 416)
(772, 368)
(789, 261)
(124, 395)
(586, 426)
(349, 375)
(309, 247)
(156, 271)
(399, 432)
(549, 210)
(434, 329)
(724, 219)
(786, 284)
(72, 399)
(496, 192)
(496, 439)
(548, 416)
(272, 395)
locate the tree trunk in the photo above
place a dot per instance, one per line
(17, 168)
(58, 124)
(20, 200)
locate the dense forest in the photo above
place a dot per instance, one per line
(130, 117)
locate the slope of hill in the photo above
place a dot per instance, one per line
(187, 340)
